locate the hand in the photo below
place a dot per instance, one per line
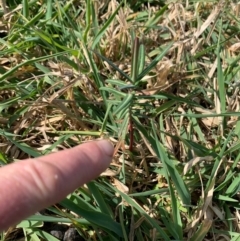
(32, 185)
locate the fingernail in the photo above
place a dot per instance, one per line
(106, 147)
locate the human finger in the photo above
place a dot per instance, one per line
(31, 185)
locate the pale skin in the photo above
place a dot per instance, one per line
(32, 185)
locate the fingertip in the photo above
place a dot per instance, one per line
(106, 147)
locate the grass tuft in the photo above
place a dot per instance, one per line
(160, 79)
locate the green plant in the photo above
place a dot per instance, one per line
(160, 80)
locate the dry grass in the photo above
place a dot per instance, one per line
(174, 174)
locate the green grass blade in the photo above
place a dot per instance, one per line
(135, 60)
(4, 76)
(114, 66)
(25, 9)
(155, 18)
(104, 27)
(221, 84)
(154, 224)
(173, 173)
(97, 218)
(99, 199)
(153, 63)
(49, 10)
